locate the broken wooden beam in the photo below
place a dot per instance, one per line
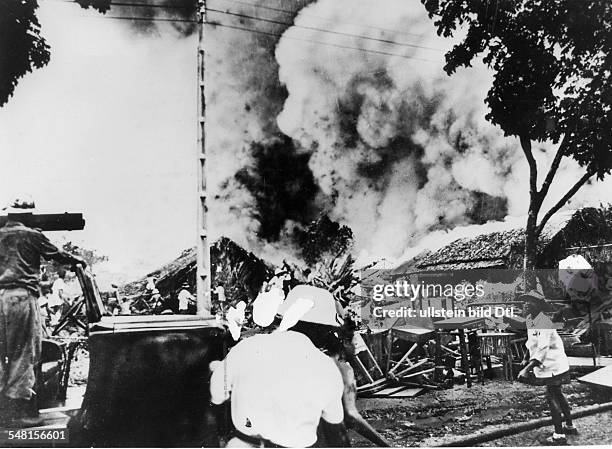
(403, 359)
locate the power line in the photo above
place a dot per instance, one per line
(293, 13)
(284, 36)
(144, 5)
(150, 19)
(285, 11)
(328, 44)
(386, 41)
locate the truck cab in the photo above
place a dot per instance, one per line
(148, 378)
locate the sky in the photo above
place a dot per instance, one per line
(108, 129)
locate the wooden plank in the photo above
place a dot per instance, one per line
(419, 373)
(364, 369)
(408, 393)
(454, 353)
(389, 391)
(396, 393)
(412, 367)
(404, 358)
(375, 386)
(374, 360)
(50, 222)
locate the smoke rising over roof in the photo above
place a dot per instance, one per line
(396, 148)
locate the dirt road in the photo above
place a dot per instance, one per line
(439, 415)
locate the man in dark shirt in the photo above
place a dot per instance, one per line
(20, 330)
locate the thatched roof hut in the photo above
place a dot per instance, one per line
(587, 231)
(240, 271)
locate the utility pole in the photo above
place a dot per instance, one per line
(203, 250)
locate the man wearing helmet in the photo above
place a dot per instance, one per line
(281, 384)
(20, 334)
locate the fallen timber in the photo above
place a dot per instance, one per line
(483, 437)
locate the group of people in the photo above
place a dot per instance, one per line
(290, 386)
(151, 301)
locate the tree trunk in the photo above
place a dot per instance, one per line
(531, 251)
(531, 229)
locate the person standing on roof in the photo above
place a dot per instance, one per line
(282, 384)
(21, 249)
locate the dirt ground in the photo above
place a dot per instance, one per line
(437, 416)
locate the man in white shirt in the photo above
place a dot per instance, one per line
(58, 290)
(184, 299)
(281, 384)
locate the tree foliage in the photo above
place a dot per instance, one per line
(324, 239)
(551, 61)
(22, 45)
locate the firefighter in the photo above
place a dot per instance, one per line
(21, 249)
(282, 384)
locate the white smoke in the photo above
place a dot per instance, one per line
(398, 147)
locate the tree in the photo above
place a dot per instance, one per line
(22, 46)
(92, 257)
(551, 63)
(324, 240)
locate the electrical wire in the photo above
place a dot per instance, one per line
(285, 11)
(386, 41)
(284, 36)
(293, 13)
(215, 23)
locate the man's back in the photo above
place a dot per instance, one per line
(20, 252)
(281, 385)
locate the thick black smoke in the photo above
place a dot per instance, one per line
(282, 186)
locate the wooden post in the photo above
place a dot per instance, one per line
(204, 303)
(438, 357)
(465, 364)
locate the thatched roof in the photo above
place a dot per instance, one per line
(504, 249)
(239, 270)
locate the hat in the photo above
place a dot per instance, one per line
(323, 310)
(532, 294)
(23, 204)
(575, 262)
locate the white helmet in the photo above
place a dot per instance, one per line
(323, 309)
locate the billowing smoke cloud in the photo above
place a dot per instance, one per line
(149, 17)
(246, 150)
(396, 148)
